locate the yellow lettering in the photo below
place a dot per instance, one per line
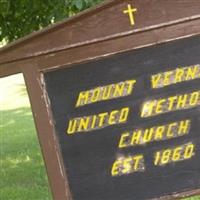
(175, 76)
(167, 78)
(83, 124)
(127, 165)
(72, 126)
(157, 158)
(179, 153)
(155, 79)
(176, 154)
(195, 98)
(172, 101)
(130, 83)
(156, 133)
(184, 127)
(179, 75)
(192, 72)
(159, 106)
(159, 132)
(189, 151)
(93, 124)
(182, 100)
(107, 93)
(148, 135)
(82, 99)
(112, 118)
(97, 121)
(102, 117)
(124, 115)
(137, 162)
(147, 108)
(136, 137)
(170, 133)
(124, 140)
(95, 95)
(119, 89)
(165, 156)
(115, 168)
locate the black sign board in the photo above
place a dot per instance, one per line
(115, 98)
(129, 125)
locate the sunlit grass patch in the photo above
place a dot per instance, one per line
(13, 93)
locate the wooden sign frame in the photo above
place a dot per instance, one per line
(94, 34)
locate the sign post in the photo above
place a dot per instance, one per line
(115, 94)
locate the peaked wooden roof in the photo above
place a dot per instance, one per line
(105, 23)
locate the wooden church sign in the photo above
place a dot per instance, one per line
(115, 93)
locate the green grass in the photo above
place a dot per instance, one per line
(22, 175)
(22, 171)
(193, 198)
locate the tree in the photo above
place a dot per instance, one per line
(21, 17)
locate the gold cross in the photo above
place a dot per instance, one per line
(131, 12)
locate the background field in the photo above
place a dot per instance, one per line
(22, 175)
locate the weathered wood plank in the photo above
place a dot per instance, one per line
(100, 24)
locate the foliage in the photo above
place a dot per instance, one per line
(21, 17)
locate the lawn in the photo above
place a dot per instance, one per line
(22, 175)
